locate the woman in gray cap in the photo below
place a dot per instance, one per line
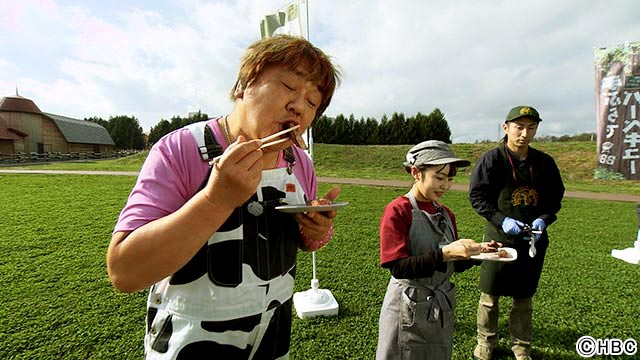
(418, 241)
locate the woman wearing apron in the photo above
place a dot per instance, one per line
(418, 241)
(517, 189)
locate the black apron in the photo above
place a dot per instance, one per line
(519, 199)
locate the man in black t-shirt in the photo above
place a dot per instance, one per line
(518, 190)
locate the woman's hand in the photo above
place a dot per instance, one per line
(461, 249)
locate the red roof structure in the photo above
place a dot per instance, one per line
(18, 104)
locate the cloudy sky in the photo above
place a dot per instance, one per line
(154, 59)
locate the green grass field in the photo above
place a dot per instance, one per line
(577, 161)
(57, 302)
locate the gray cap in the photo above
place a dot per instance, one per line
(432, 152)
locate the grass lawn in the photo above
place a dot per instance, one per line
(57, 302)
(577, 162)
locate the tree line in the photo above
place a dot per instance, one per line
(127, 133)
(388, 131)
(398, 129)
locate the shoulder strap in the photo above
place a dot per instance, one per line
(412, 200)
(207, 145)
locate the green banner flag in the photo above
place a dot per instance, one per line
(282, 22)
(270, 23)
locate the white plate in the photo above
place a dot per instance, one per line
(493, 256)
(307, 208)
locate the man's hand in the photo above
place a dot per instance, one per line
(539, 225)
(315, 224)
(512, 226)
(236, 174)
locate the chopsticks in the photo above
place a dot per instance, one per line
(270, 140)
(276, 142)
(266, 142)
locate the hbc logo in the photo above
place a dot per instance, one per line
(588, 347)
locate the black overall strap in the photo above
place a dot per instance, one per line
(212, 147)
(207, 144)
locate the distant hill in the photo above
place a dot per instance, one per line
(577, 161)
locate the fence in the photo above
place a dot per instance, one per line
(32, 157)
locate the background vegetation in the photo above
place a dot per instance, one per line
(577, 161)
(396, 130)
(125, 131)
(399, 129)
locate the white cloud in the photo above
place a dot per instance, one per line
(473, 60)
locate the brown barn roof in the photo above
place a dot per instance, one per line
(73, 130)
(18, 104)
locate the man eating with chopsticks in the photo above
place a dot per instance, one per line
(200, 226)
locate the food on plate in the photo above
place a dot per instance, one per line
(502, 254)
(493, 251)
(490, 247)
(497, 254)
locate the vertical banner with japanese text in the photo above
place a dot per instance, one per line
(617, 88)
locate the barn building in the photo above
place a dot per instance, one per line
(25, 129)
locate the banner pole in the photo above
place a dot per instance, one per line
(306, 6)
(315, 301)
(310, 129)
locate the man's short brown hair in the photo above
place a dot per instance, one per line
(290, 51)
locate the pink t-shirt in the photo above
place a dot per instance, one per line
(173, 172)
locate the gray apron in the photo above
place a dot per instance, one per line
(416, 319)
